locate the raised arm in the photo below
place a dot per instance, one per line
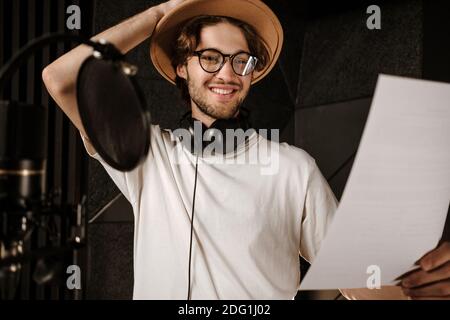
(60, 76)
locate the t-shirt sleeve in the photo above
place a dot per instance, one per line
(129, 183)
(318, 211)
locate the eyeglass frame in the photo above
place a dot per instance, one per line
(224, 56)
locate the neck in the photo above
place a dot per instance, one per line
(199, 115)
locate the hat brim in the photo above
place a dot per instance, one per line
(254, 12)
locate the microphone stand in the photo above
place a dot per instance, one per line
(24, 206)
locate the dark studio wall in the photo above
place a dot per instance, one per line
(340, 66)
(319, 95)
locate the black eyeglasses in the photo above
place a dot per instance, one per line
(212, 60)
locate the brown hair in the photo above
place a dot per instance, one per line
(189, 38)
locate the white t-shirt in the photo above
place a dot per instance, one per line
(252, 219)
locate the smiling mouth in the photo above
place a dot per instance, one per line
(223, 92)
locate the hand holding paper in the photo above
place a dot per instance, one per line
(432, 279)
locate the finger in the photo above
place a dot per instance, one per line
(406, 274)
(438, 289)
(422, 277)
(436, 257)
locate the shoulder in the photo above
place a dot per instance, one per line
(296, 154)
(290, 155)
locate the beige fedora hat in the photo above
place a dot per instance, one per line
(253, 12)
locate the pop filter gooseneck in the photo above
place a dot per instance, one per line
(110, 103)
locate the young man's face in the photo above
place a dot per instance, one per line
(220, 104)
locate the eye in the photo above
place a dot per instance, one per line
(242, 61)
(210, 58)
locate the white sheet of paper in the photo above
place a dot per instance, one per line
(395, 203)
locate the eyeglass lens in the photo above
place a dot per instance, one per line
(242, 63)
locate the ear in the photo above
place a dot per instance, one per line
(181, 71)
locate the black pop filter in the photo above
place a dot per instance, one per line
(112, 109)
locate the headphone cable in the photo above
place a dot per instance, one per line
(192, 230)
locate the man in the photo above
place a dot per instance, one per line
(249, 227)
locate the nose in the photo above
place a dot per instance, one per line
(226, 73)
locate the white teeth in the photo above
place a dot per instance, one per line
(221, 91)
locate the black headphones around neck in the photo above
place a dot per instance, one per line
(241, 121)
